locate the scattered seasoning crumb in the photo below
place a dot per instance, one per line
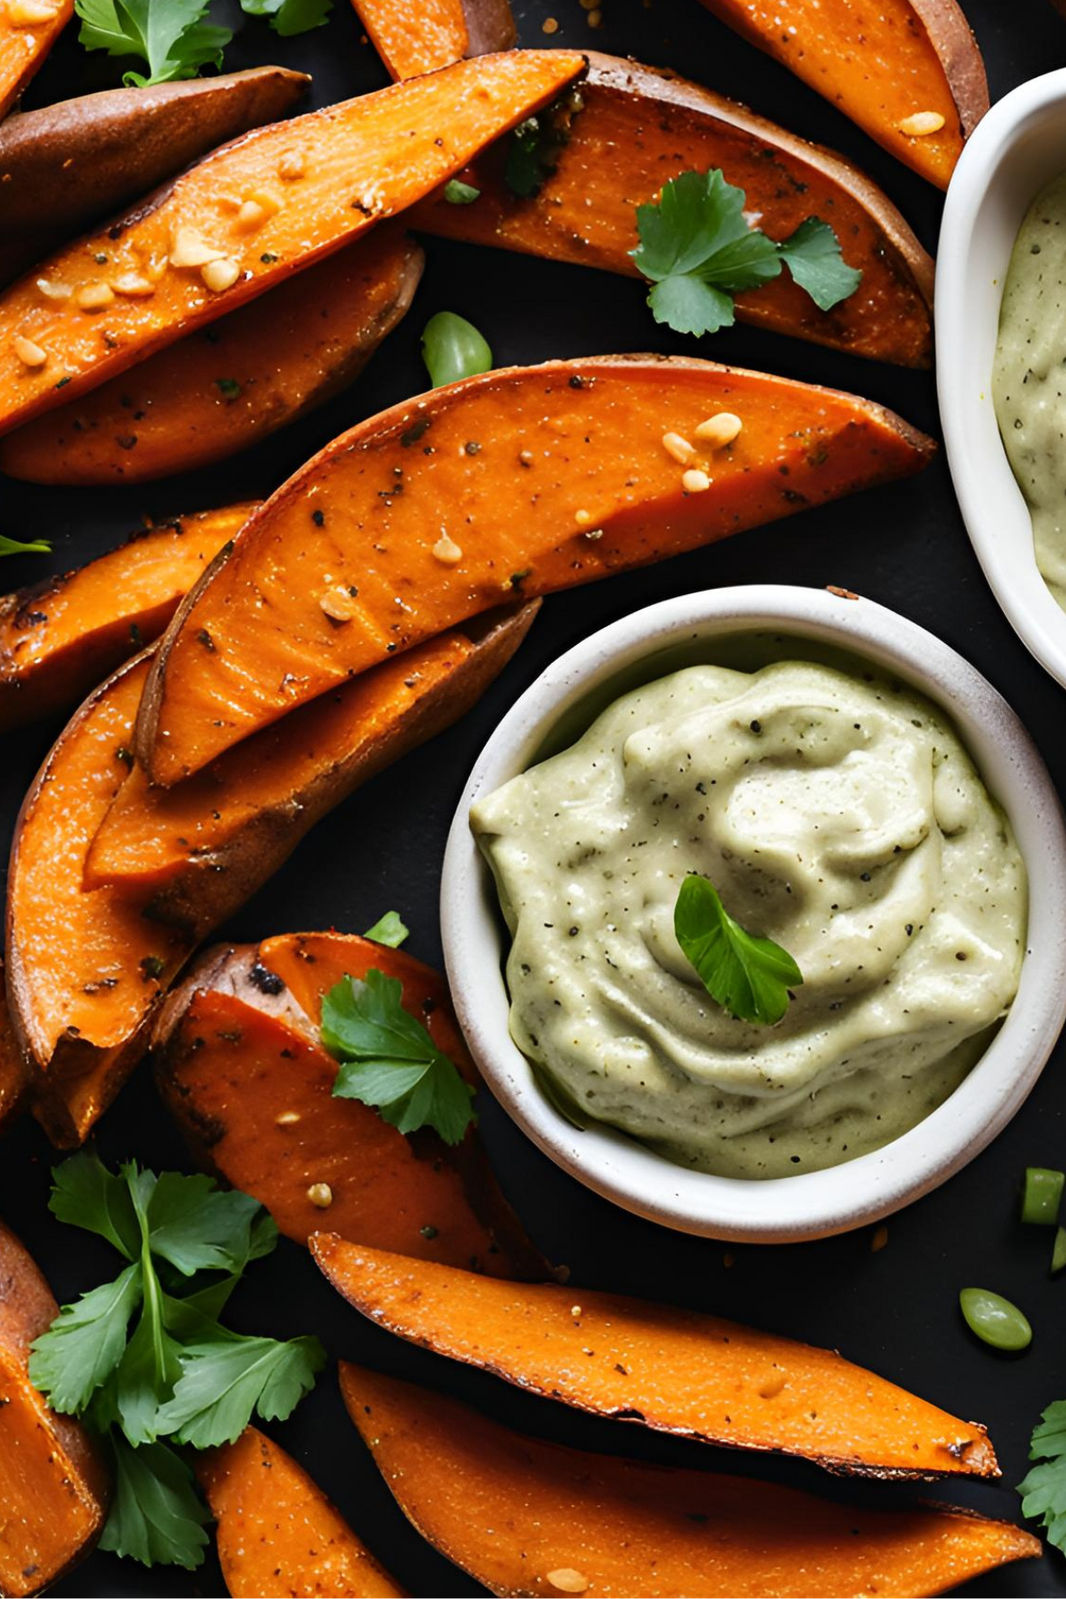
(582, 518)
(694, 481)
(879, 1239)
(921, 124)
(318, 518)
(842, 594)
(575, 1311)
(567, 1580)
(288, 1118)
(320, 1195)
(125, 756)
(229, 388)
(152, 966)
(447, 551)
(719, 430)
(429, 1231)
(728, 1260)
(549, 25)
(595, 18)
(678, 447)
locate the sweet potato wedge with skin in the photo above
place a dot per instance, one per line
(563, 472)
(268, 205)
(27, 33)
(239, 1065)
(417, 36)
(638, 127)
(97, 152)
(677, 1371)
(277, 1532)
(527, 1517)
(228, 386)
(880, 66)
(61, 637)
(200, 848)
(14, 1073)
(53, 1488)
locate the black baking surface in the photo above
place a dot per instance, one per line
(895, 1311)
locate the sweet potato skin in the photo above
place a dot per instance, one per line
(61, 637)
(200, 849)
(14, 1072)
(511, 1510)
(640, 126)
(322, 180)
(413, 38)
(53, 1488)
(284, 354)
(562, 468)
(673, 1370)
(277, 1533)
(23, 50)
(97, 152)
(239, 1066)
(910, 56)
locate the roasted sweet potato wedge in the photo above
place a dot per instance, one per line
(97, 152)
(527, 1517)
(199, 849)
(28, 30)
(228, 386)
(61, 637)
(240, 1067)
(53, 1488)
(909, 72)
(635, 128)
(674, 1370)
(277, 1533)
(14, 1072)
(417, 36)
(567, 471)
(249, 216)
(88, 966)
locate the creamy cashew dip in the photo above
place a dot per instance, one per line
(1029, 376)
(834, 813)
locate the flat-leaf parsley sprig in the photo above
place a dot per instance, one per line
(174, 37)
(698, 250)
(179, 1377)
(749, 977)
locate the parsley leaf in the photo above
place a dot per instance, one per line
(1044, 1489)
(18, 547)
(85, 1194)
(170, 35)
(227, 1377)
(288, 17)
(156, 1514)
(531, 158)
(698, 251)
(748, 976)
(388, 930)
(389, 1060)
(198, 1227)
(145, 1377)
(84, 1344)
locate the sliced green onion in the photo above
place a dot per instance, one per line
(17, 547)
(994, 1319)
(1042, 1196)
(1058, 1251)
(457, 193)
(452, 348)
(388, 929)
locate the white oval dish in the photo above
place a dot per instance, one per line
(815, 1204)
(1018, 147)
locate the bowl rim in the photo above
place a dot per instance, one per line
(989, 498)
(865, 1190)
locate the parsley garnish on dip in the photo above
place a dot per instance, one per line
(837, 817)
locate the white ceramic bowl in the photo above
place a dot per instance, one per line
(863, 1190)
(1015, 150)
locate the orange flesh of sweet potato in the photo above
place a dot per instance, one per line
(675, 1370)
(881, 65)
(540, 477)
(278, 1535)
(638, 128)
(240, 1068)
(53, 1490)
(61, 637)
(526, 1517)
(197, 849)
(413, 38)
(14, 1072)
(25, 43)
(313, 185)
(223, 389)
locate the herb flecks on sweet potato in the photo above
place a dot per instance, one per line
(417, 36)
(28, 30)
(565, 472)
(228, 386)
(677, 1371)
(884, 66)
(245, 218)
(53, 1488)
(61, 637)
(277, 1532)
(639, 127)
(527, 1517)
(240, 1067)
(197, 850)
(97, 152)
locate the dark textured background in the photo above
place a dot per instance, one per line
(905, 546)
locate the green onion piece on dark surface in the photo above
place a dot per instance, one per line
(1042, 1195)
